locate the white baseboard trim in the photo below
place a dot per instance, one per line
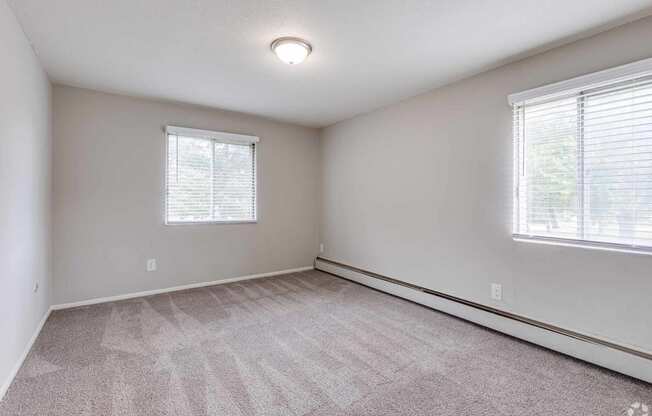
(600, 355)
(176, 288)
(23, 356)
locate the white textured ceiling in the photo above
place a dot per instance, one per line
(367, 53)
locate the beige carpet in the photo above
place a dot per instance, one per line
(300, 344)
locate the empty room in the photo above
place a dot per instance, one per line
(315, 208)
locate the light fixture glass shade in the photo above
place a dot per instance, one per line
(291, 50)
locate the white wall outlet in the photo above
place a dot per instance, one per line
(35, 287)
(321, 248)
(496, 291)
(151, 265)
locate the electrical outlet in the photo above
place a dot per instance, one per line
(496, 291)
(321, 248)
(151, 265)
(35, 287)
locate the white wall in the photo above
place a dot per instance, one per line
(422, 191)
(108, 198)
(25, 187)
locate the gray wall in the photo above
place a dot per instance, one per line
(108, 198)
(422, 191)
(25, 186)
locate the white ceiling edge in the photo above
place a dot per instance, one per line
(172, 101)
(540, 50)
(462, 75)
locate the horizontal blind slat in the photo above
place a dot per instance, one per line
(209, 180)
(583, 165)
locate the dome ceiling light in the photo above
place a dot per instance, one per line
(291, 50)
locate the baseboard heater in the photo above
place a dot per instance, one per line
(633, 368)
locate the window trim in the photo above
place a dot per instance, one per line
(588, 81)
(559, 90)
(218, 136)
(585, 244)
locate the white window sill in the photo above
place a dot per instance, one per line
(175, 223)
(618, 248)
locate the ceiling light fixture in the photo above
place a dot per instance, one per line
(291, 50)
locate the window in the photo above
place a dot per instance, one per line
(210, 177)
(583, 164)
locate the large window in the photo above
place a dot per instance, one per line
(583, 165)
(210, 177)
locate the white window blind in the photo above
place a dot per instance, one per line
(210, 177)
(583, 166)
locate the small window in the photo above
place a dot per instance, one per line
(210, 177)
(583, 166)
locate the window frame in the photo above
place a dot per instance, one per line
(216, 137)
(575, 87)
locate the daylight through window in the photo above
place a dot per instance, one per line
(210, 178)
(583, 166)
